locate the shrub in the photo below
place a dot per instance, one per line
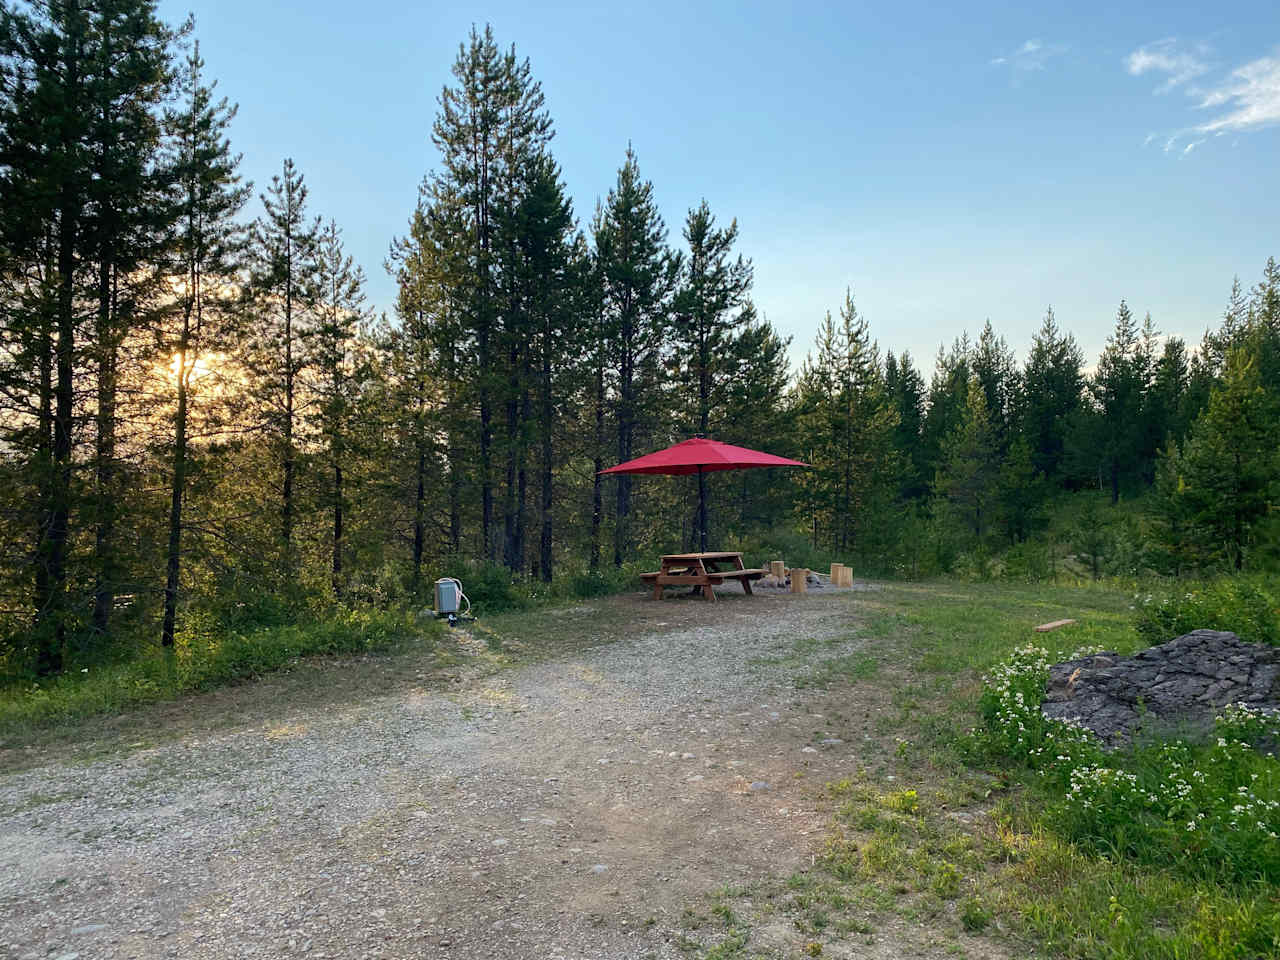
(1212, 810)
(1240, 605)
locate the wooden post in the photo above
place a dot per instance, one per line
(846, 576)
(799, 580)
(837, 574)
(778, 570)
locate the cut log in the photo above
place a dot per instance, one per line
(778, 569)
(846, 577)
(837, 578)
(799, 580)
(1053, 625)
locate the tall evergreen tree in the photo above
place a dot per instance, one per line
(637, 274)
(284, 264)
(713, 301)
(1231, 461)
(491, 124)
(334, 356)
(967, 477)
(906, 392)
(1053, 383)
(208, 246)
(846, 425)
(1118, 389)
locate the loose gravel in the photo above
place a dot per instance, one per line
(570, 808)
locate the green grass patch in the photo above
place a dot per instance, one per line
(207, 654)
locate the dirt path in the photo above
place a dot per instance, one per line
(570, 808)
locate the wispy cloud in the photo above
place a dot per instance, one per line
(1178, 66)
(1031, 56)
(1246, 99)
(1249, 99)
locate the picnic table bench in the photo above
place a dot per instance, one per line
(704, 570)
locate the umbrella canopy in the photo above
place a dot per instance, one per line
(702, 456)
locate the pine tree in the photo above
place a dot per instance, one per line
(1118, 389)
(948, 395)
(637, 275)
(712, 302)
(491, 125)
(968, 476)
(755, 390)
(1053, 383)
(846, 425)
(994, 365)
(1176, 541)
(335, 362)
(208, 245)
(906, 392)
(129, 219)
(422, 385)
(1231, 461)
(284, 265)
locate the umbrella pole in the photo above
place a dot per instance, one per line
(702, 510)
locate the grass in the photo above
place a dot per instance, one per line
(968, 848)
(206, 656)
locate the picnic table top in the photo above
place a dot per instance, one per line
(716, 555)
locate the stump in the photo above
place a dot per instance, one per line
(799, 580)
(778, 570)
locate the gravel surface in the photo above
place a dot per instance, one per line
(565, 809)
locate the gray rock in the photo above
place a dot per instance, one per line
(760, 785)
(1179, 685)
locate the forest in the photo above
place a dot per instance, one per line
(203, 423)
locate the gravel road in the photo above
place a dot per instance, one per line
(570, 808)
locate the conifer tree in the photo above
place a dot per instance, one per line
(1119, 387)
(994, 365)
(1231, 461)
(906, 392)
(713, 300)
(284, 265)
(208, 246)
(1053, 383)
(637, 276)
(847, 427)
(490, 126)
(335, 362)
(967, 477)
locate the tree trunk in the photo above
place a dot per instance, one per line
(597, 493)
(174, 559)
(702, 510)
(337, 529)
(513, 453)
(286, 492)
(522, 490)
(51, 615)
(106, 505)
(44, 456)
(545, 558)
(419, 517)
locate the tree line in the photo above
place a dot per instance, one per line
(201, 417)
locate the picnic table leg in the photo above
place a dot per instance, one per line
(746, 586)
(708, 592)
(657, 590)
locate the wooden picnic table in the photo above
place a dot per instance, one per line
(701, 570)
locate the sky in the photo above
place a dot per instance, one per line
(949, 167)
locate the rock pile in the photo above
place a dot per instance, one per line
(770, 582)
(1179, 685)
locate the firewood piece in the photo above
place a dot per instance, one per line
(1053, 625)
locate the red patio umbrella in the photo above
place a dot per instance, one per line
(702, 456)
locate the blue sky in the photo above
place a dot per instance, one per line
(950, 167)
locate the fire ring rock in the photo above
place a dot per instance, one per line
(1176, 687)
